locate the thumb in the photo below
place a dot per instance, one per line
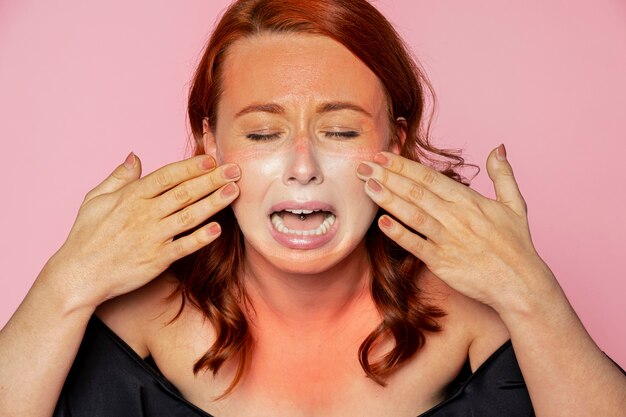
(501, 174)
(121, 176)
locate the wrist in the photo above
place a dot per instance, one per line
(536, 294)
(64, 285)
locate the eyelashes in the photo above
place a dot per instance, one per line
(347, 134)
(260, 137)
(332, 135)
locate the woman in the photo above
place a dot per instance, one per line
(309, 125)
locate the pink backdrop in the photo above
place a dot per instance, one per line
(82, 85)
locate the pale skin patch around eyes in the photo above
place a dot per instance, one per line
(262, 150)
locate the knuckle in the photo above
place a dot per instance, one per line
(400, 234)
(182, 195)
(416, 193)
(201, 238)
(190, 170)
(507, 171)
(117, 176)
(384, 176)
(430, 177)
(185, 218)
(162, 178)
(91, 194)
(211, 180)
(418, 218)
(386, 200)
(399, 165)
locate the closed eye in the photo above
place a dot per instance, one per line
(260, 137)
(346, 134)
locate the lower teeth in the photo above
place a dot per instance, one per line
(323, 228)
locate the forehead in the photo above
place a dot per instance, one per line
(293, 69)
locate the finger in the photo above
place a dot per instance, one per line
(193, 215)
(187, 245)
(124, 174)
(194, 189)
(409, 214)
(444, 187)
(421, 248)
(501, 174)
(169, 176)
(405, 188)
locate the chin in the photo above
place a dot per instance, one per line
(307, 261)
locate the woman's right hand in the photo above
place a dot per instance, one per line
(123, 235)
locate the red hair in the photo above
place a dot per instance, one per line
(210, 278)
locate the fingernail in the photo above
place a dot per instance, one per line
(385, 222)
(381, 159)
(215, 229)
(229, 190)
(374, 185)
(364, 169)
(501, 152)
(232, 172)
(130, 161)
(208, 164)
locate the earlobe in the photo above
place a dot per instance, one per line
(208, 140)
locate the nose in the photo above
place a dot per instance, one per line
(302, 163)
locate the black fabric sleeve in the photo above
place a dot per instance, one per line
(496, 389)
(109, 379)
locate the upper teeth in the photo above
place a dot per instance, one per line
(300, 211)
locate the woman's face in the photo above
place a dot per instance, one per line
(297, 114)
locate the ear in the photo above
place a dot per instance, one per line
(208, 140)
(400, 130)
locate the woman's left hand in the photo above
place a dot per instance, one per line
(478, 246)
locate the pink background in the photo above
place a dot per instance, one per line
(82, 85)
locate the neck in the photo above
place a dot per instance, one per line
(308, 301)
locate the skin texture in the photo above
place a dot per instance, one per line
(311, 307)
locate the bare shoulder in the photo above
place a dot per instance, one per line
(135, 316)
(480, 323)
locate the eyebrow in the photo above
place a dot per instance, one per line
(341, 105)
(264, 107)
(325, 107)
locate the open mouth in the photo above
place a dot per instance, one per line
(302, 222)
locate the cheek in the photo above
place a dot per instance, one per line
(340, 176)
(260, 169)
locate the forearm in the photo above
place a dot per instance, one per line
(38, 346)
(565, 371)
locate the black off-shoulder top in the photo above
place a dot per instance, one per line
(109, 379)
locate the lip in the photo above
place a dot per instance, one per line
(299, 241)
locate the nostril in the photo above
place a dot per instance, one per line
(305, 180)
(303, 168)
